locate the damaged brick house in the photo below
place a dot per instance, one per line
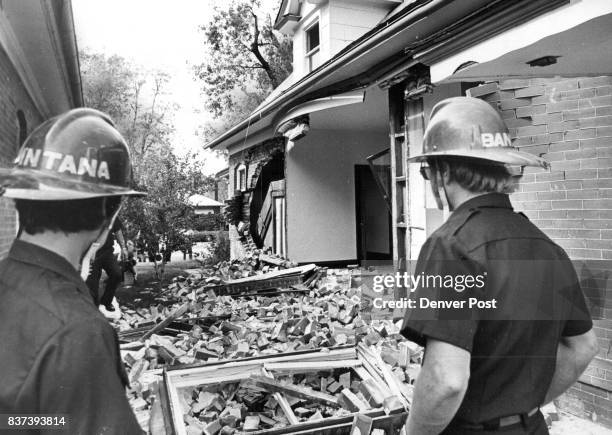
(321, 164)
(39, 78)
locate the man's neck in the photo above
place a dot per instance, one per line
(69, 246)
(460, 195)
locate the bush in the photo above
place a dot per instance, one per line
(210, 222)
(221, 247)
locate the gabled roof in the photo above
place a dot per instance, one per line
(203, 201)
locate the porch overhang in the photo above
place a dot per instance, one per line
(324, 103)
(572, 41)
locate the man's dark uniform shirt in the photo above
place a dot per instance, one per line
(513, 348)
(58, 354)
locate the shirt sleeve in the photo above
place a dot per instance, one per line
(579, 319)
(447, 280)
(78, 375)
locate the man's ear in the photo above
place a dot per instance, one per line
(443, 175)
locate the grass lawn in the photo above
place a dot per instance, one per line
(142, 294)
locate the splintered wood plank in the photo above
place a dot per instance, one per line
(161, 325)
(374, 373)
(352, 402)
(175, 408)
(221, 376)
(196, 375)
(392, 382)
(295, 391)
(282, 402)
(315, 366)
(362, 423)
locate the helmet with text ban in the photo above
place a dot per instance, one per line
(76, 155)
(471, 128)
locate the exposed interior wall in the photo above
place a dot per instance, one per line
(14, 97)
(321, 221)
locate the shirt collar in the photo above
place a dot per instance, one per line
(38, 256)
(494, 200)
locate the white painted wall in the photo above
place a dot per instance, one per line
(350, 20)
(340, 23)
(321, 222)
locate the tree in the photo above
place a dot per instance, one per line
(164, 215)
(135, 99)
(247, 59)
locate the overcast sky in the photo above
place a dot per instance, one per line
(156, 34)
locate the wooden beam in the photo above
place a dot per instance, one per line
(316, 366)
(161, 325)
(282, 402)
(295, 391)
(352, 402)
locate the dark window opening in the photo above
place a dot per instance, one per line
(312, 37)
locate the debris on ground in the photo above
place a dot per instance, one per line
(197, 321)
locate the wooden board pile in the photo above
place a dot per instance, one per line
(250, 405)
(300, 392)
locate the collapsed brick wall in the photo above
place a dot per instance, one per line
(254, 158)
(13, 97)
(568, 121)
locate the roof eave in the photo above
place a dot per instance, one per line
(67, 38)
(287, 23)
(372, 39)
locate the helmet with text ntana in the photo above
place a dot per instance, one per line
(467, 127)
(76, 155)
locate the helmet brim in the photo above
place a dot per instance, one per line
(38, 186)
(498, 155)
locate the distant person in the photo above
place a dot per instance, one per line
(106, 260)
(130, 262)
(59, 355)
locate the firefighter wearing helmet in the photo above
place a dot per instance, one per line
(500, 310)
(59, 354)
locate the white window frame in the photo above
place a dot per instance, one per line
(241, 177)
(310, 53)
